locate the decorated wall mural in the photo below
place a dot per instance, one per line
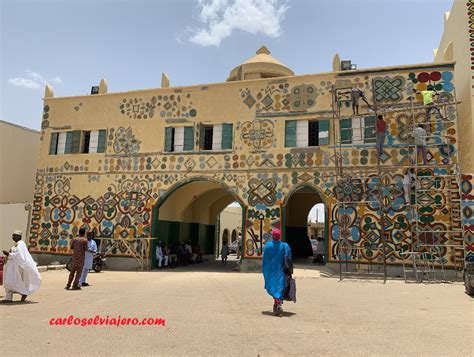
(114, 193)
(467, 183)
(123, 141)
(164, 106)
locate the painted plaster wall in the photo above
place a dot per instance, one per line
(12, 216)
(18, 154)
(115, 192)
(459, 33)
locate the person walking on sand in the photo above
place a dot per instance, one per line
(20, 274)
(224, 252)
(275, 253)
(88, 258)
(79, 247)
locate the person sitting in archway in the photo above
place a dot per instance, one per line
(161, 258)
(172, 257)
(182, 256)
(197, 255)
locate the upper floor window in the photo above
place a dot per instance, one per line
(305, 133)
(216, 137)
(179, 139)
(73, 142)
(357, 130)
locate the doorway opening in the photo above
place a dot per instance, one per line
(189, 213)
(304, 218)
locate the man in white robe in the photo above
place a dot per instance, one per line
(160, 256)
(88, 258)
(20, 274)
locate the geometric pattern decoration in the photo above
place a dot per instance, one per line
(125, 142)
(388, 89)
(257, 134)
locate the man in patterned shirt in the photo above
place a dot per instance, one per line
(79, 246)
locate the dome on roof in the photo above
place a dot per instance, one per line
(262, 65)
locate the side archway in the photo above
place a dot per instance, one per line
(188, 212)
(296, 206)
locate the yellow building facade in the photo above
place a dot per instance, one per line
(163, 163)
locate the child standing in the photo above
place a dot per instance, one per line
(224, 252)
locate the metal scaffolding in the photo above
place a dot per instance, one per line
(430, 245)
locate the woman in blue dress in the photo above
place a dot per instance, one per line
(274, 254)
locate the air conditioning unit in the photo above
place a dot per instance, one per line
(347, 66)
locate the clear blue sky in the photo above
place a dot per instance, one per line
(72, 44)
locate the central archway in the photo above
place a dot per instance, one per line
(189, 211)
(296, 207)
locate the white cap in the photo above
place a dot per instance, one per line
(17, 232)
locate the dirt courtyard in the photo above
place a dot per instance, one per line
(213, 311)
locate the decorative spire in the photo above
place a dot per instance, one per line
(103, 86)
(48, 91)
(263, 50)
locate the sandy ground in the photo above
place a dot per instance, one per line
(212, 311)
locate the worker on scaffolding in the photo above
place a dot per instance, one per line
(409, 184)
(419, 134)
(380, 133)
(429, 102)
(356, 93)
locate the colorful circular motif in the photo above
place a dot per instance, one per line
(423, 77)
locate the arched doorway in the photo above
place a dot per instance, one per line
(296, 227)
(189, 211)
(225, 236)
(233, 237)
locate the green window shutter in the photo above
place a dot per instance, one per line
(76, 142)
(168, 139)
(290, 133)
(188, 138)
(323, 132)
(53, 145)
(346, 130)
(369, 129)
(101, 141)
(68, 146)
(227, 136)
(202, 133)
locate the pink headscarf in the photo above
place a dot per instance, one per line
(276, 234)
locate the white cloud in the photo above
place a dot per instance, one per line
(33, 80)
(221, 17)
(24, 83)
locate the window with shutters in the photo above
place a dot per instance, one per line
(345, 127)
(313, 133)
(357, 130)
(178, 139)
(306, 133)
(86, 138)
(216, 137)
(97, 141)
(208, 137)
(77, 141)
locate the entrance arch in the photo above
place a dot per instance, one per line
(295, 209)
(189, 211)
(225, 236)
